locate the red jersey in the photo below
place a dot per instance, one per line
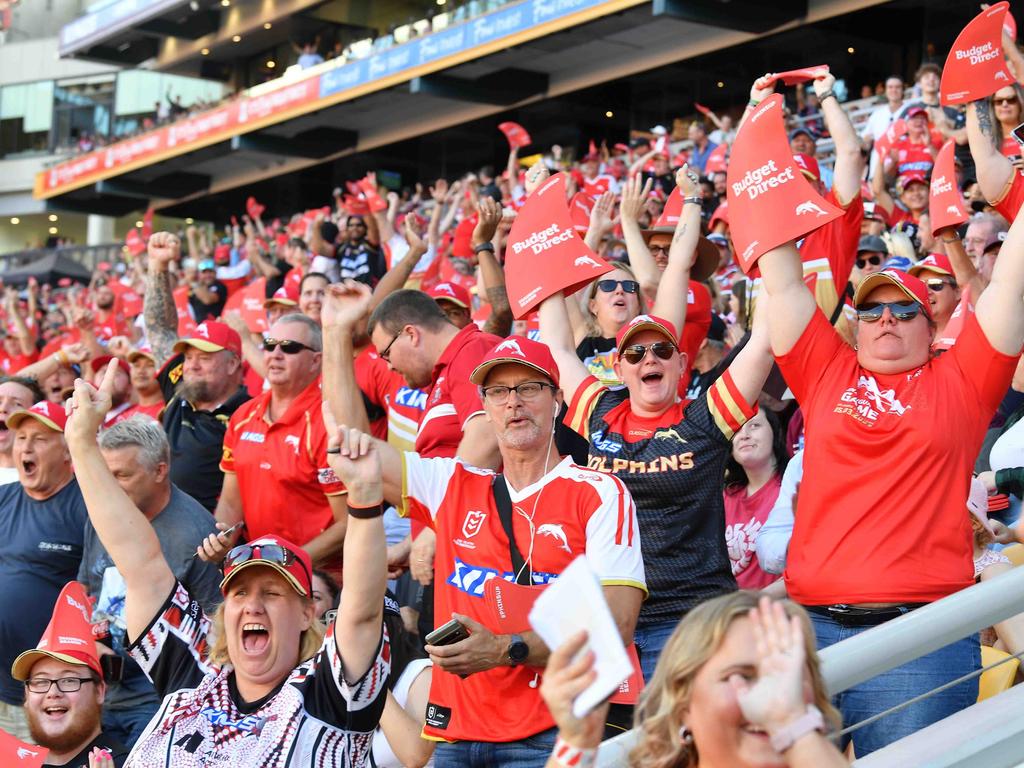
(829, 252)
(571, 511)
(114, 325)
(913, 157)
(386, 389)
(282, 468)
(1010, 147)
(371, 371)
(11, 364)
(603, 182)
(152, 411)
(887, 467)
(1012, 197)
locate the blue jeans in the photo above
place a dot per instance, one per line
(531, 752)
(126, 725)
(901, 684)
(649, 642)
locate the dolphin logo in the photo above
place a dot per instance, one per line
(293, 441)
(446, 288)
(810, 207)
(23, 753)
(512, 345)
(953, 210)
(669, 434)
(585, 260)
(555, 531)
(1001, 76)
(203, 331)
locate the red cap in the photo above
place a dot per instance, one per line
(452, 292)
(914, 288)
(280, 297)
(521, 350)
(808, 165)
(143, 351)
(933, 262)
(101, 362)
(298, 572)
(50, 414)
(462, 245)
(915, 111)
(646, 323)
(67, 638)
(908, 178)
(721, 214)
(212, 336)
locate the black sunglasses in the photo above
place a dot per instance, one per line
(287, 346)
(635, 353)
(609, 286)
(872, 260)
(901, 310)
(937, 284)
(1005, 100)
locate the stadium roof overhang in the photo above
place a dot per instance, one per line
(518, 54)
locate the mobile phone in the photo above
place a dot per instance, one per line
(1018, 133)
(447, 634)
(228, 532)
(112, 666)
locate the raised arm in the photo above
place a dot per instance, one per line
(491, 273)
(158, 309)
(556, 332)
(635, 194)
(396, 277)
(783, 279)
(675, 280)
(999, 309)
(964, 271)
(878, 187)
(849, 166)
(122, 528)
(753, 363)
(601, 220)
(993, 169)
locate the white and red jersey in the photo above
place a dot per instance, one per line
(571, 511)
(603, 182)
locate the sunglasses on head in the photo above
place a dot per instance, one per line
(937, 284)
(874, 261)
(901, 310)
(609, 286)
(635, 353)
(287, 346)
(268, 553)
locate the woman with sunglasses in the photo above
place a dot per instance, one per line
(1006, 105)
(670, 454)
(891, 438)
(258, 684)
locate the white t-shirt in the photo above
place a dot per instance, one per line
(1008, 450)
(383, 755)
(8, 475)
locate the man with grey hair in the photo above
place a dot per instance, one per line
(276, 476)
(138, 455)
(983, 230)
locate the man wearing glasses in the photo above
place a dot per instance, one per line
(276, 476)
(936, 272)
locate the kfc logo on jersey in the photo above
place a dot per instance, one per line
(473, 523)
(866, 402)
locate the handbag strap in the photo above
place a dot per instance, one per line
(504, 504)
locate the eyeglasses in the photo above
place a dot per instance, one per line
(937, 284)
(64, 684)
(287, 346)
(528, 390)
(385, 354)
(268, 553)
(355, 223)
(872, 260)
(656, 248)
(1005, 101)
(901, 310)
(609, 286)
(635, 353)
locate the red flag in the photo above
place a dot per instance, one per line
(251, 306)
(515, 133)
(186, 324)
(16, 753)
(770, 201)
(718, 160)
(701, 108)
(374, 201)
(147, 224)
(579, 211)
(356, 206)
(945, 203)
(975, 67)
(794, 76)
(135, 242)
(253, 208)
(544, 254)
(897, 130)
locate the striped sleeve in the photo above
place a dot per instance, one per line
(613, 535)
(582, 406)
(727, 406)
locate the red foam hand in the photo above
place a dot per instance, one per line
(16, 753)
(795, 76)
(945, 203)
(718, 160)
(975, 67)
(770, 201)
(253, 208)
(135, 242)
(896, 131)
(374, 201)
(515, 133)
(544, 254)
(701, 108)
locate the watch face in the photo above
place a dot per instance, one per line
(518, 650)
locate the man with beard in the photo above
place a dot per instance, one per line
(107, 323)
(16, 394)
(200, 376)
(42, 522)
(64, 688)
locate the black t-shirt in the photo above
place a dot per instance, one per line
(209, 311)
(361, 261)
(117, 750)
(196, 437)
(665, 183)
(273, 283)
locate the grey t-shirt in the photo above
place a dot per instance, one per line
(180, 527)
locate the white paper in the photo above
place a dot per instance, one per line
(574, 602)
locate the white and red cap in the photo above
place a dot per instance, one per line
(913, 287)
(50, 414)
(933, 262)
(910, 177)
(281, 297)
(646, 323)
(212, 336)
(452, 292)
(297, 570)
(143, 351)
(808, 165)
(520, 351)
(68, 636)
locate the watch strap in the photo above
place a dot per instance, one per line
(787, 736)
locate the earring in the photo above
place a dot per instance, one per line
(685, 736)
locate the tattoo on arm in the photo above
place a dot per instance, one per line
(680, 233)
(161, 316)
(500, 321)
(984, 114)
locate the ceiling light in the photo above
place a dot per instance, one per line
(609, 113)
(721, 84)
(271, 64)
(53, 230)
(53, 217)
(850, 49)
(205, 51)
(189, 221)
(268, 25)
(15, 220)
(226, 3)
(236, 39)
(139, 224)
(440, 2)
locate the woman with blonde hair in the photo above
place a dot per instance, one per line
(738, 686)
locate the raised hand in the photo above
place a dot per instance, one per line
(416, 245)
(635, 194)
(119, 346)
(353, 456)
(688, 181)
(77, 353)
(88, 406)
(215, 546)
(439, 192)
(487, 223)
(163, 249)
(823, 82)
(565, 678)
(535, 176)
(346, 303)
(763, 87)
(601, 214)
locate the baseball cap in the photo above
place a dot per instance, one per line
(45, 412)
(646, 323)
(872, 243)
(808, 165)
(908, 178)
(718, 239)
(452, 292)
(797, 131)
(274, 552)
(68, 636)
(143, 351)
(721, 214)
(280, 297)
(716, 332)
(521, 350)
(98, 363)
(211, 336)
(915, 111)
(207, 264)
(871, 211)
(933, 262)
(914, 289)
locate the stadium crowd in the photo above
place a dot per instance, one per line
(259, 487)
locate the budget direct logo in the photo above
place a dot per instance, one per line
(759, 180)
(541, 241)
(977, 54)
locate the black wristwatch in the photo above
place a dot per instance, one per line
(518, 650)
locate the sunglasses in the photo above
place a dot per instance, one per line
(268, 553)
(609, 286)
(937, 284)
(872, 260)
(901, 310)
(287, 346)
(1005, 101)
(635, 353)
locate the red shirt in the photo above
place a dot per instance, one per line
(386, 389)
(744, 516)
(11, 364)
(829, 252)
(574, 511)
(911, 156)
(153, 411)
(282, 470)
(371, 371)
(1011, 147)
(887, 468)
(1012, 197)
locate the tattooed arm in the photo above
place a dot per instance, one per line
(993, 169)
(159, 311)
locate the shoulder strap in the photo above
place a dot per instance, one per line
(504, 504)
(841, 300)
